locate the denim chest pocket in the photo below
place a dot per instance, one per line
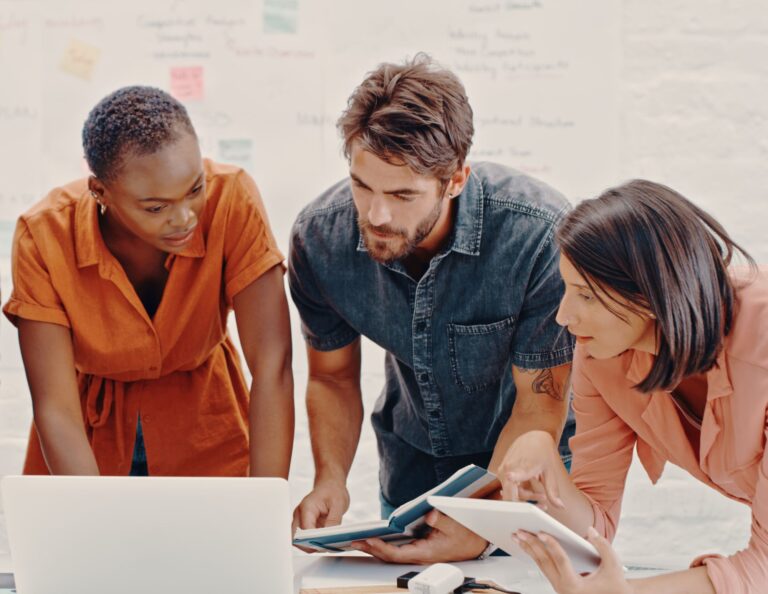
(480, 353)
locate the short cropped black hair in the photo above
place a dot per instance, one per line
(133, 120)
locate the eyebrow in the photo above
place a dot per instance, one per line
(578, 286)
(197, 182)
(397, 192)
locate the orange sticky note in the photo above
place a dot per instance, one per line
(187, 83)
(80, 59)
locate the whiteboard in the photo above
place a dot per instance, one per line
(264, 82)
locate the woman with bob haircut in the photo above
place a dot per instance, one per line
(122, 285)
(671, 358)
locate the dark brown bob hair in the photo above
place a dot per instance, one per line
(416, 113)
(660, 253)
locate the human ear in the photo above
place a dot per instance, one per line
(96, 187)
(458, 181)
(98, 191)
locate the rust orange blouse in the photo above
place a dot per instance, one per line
(178, 370)
(612, 419)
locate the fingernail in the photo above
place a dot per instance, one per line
(516, 539)
(522, 536)
(355, 546)
(592, 532)
(542, 537)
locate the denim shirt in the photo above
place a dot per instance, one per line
(486, 302)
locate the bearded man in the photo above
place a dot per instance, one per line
(449, 267)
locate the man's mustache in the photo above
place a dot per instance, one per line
(383, 229)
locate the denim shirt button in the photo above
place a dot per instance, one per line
(423, 377)
(433, 414)
(421, 326)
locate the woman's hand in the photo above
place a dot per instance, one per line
(529, 470)
(557, 568)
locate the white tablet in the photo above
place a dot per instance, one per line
(495, 521)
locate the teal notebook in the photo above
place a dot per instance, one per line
(404, 524)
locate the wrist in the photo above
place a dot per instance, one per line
(487, 552)
(539, 438)
(331, 477)
(546, 435)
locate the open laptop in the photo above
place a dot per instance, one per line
(149, 535)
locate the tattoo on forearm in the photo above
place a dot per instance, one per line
(545, 383)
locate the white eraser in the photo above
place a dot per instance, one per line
(439, 578)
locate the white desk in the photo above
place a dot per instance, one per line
(356, 569)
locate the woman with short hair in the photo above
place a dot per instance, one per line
(671, 358)
(122, 286)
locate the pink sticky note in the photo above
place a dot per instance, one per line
(187, 83)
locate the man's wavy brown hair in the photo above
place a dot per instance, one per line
(416, 113)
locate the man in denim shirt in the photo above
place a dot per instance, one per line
(453, 271)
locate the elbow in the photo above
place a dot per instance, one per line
(283, 367)
(273, 369)
(273, 388)
(605, 521)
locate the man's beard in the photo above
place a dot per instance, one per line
(399, 245)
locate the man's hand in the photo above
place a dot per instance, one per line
(447, 541)
(325, 505)
(529, 470)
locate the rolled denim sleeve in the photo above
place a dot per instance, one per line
(539, 341)
(322, 326)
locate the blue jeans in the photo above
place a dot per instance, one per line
(386, 507)
(139, 463)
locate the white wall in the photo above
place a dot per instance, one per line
(693, 99)
(694, 105)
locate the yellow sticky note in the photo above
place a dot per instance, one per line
(80, 59)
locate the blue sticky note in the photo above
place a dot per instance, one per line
(281, 16)
(237, 151)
